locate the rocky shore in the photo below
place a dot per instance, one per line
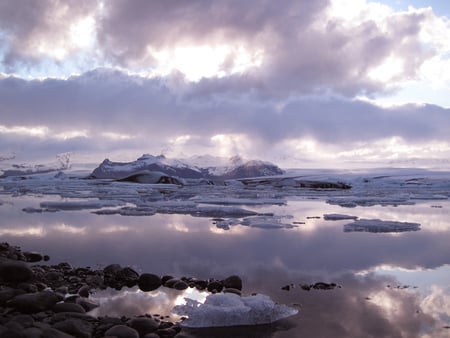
(53, 301)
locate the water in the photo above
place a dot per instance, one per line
(389, 284)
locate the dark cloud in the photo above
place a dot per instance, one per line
(112, 101)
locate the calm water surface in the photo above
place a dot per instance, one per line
(392, 285)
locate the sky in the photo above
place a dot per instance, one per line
(326, 83)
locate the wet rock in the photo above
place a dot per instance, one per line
(122, 331)
(84, 291)
(176, 284)
(149, 282)
(24, 320)
(54, 333)
(31, 256)
(32, 332)
(75, 327)
(234, 282)
(144, 325)
(15, 271)
(112, 269)
(215, 286)
(34, 302)
(68, 307)
(9, 293)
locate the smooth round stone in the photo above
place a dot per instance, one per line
(33, 257)
(180, 285)
(75, 327)
(84, 291)
(215, 286)
(144, 325)
(149, 282)
(112, 269)
(68, 307)
(34, 302)
(234, 282)
(15, 271)
(24, 320)
(122, 331)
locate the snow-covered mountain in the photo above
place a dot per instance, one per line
(194, 168)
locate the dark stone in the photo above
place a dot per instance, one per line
(144, 325)
(32, 332)
(149, 282)
(165, 278)
(34, 302)
(166, 333)
(68, 307)
(84, 291)
(27, 287)
(54, 333)
(234, 282)
(15, 271)
(112, 269)
(24, 320)
(180, 285)
(215, 286)
(9, 293)
(33, 257)
(122, 331)
(75, 327)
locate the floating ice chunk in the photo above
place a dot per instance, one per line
(338, 217)
(221, 211)
(267, 222)
(376, 225)
(228, 309)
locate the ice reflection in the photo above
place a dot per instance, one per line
(315, 250)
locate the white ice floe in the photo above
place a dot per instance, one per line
(376, 225)
(338, 217)
(228, 309)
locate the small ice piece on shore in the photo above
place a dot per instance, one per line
(338, 217)
(227, 309)
(376, 225)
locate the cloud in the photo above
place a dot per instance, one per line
(48, 29)
(103, 109)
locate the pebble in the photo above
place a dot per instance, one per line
(122, 331)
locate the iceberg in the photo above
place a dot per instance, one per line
(228, 309)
